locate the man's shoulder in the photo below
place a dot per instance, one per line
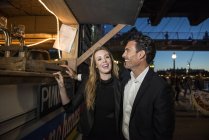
(157, 79)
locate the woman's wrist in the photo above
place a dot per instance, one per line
(61, 85)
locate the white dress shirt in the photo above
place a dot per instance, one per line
(130, 92)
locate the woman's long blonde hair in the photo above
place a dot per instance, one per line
(90, 87)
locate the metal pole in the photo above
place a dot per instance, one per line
(174, 65)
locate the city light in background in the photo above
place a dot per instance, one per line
(164, 61)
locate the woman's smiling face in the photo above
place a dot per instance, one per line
(103, 62)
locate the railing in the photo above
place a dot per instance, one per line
(206, 86)
(178, 35)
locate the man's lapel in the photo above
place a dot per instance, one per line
(142, 90)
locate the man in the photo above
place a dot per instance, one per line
(148, 109)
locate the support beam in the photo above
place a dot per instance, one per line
(165, 6)
(99, 43)
(168, 45)
(195, 20)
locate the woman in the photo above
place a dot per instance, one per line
(101, 94)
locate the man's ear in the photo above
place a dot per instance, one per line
(141, 54)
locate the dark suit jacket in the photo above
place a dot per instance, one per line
(152, 116)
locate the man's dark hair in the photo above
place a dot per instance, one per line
(143, 43)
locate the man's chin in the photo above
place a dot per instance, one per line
(126, 65)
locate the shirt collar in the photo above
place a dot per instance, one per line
(141, 76)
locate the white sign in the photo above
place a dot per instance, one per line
(66, 38)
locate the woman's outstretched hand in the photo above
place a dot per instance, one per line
(70, 72)
(59, 79)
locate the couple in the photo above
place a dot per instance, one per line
(139, 107)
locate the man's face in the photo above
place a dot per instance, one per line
(131, 56)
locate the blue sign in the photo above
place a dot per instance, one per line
(49, 97)
(57, 128)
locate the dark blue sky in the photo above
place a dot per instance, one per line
(177, 28)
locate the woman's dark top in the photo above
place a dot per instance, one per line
(101, 123)
(104, 120)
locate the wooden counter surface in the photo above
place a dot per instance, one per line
(18, 77)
